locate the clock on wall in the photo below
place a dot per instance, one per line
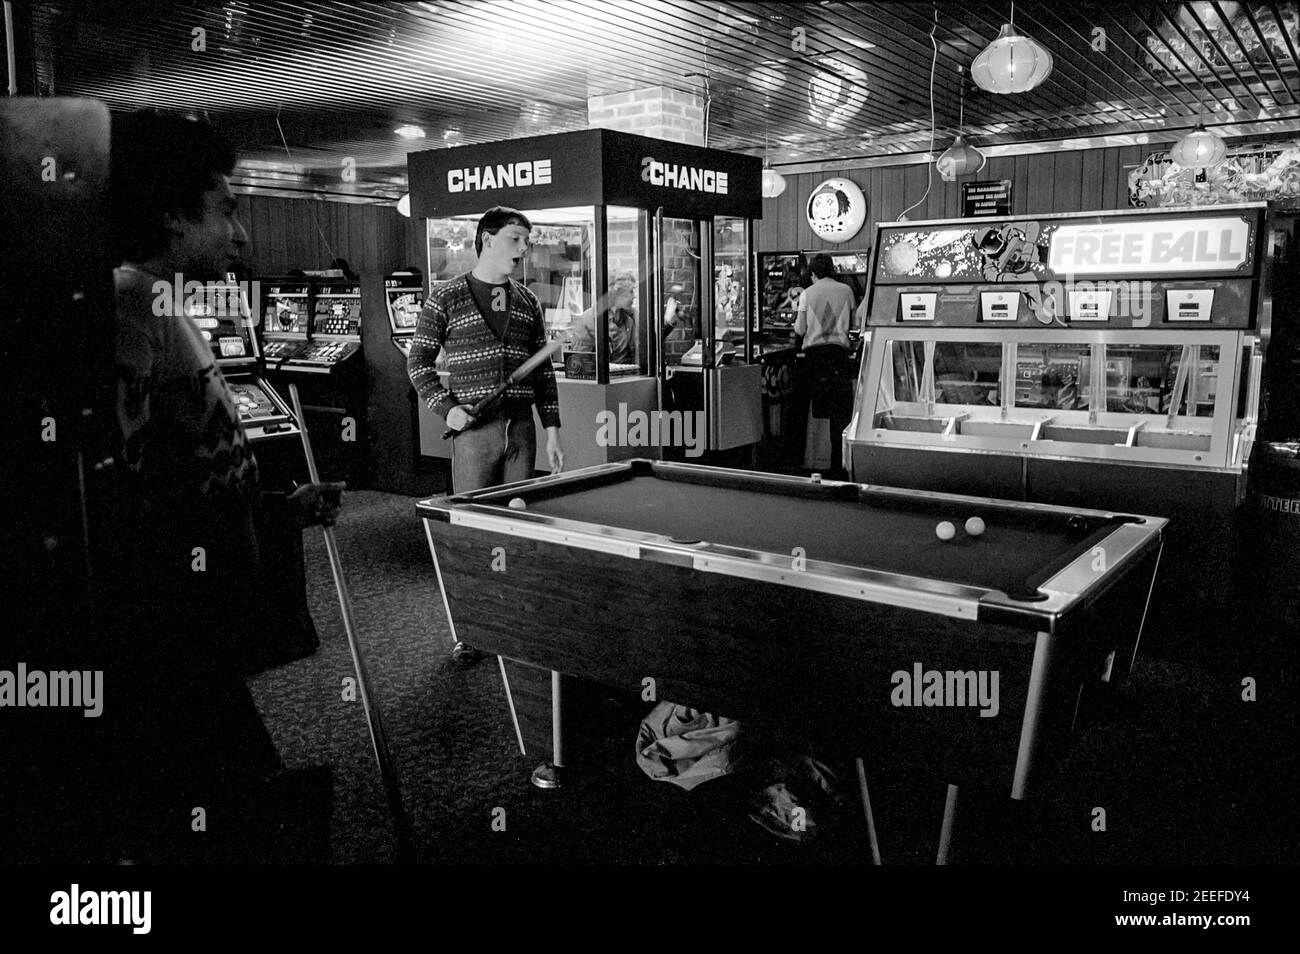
(837, 210)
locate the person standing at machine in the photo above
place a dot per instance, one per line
(488, 324)
(181, 558)
(823, 321)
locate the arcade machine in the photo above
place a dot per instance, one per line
(641, 270)
(1104, 359)
(225, 321)
(320, 323)
(404, 297)
(780, 278)
(285, 318)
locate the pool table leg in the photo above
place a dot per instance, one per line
(1029, 727)
(549, 774)
(442, 591)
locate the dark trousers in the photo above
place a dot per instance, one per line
(830, 386)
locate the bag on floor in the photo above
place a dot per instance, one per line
(685, 746)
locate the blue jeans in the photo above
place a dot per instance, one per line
(499, 451)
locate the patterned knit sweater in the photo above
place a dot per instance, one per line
(478, 360)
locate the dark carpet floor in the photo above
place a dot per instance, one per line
(1185, 772)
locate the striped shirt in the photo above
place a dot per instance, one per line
(478, 360)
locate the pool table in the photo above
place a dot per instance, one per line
(825, 609)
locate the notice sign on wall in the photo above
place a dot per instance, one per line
(986, 198)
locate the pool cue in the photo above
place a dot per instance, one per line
(374, 721)
(945, 832)
(866, 808)
(524, 370)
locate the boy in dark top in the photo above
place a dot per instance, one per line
(488, 324)
(182, 555)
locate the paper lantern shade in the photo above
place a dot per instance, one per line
(960, 159)
(773, 183)
(1011, 64)
(404, 206)
(1199, 149)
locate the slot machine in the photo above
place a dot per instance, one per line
(285, 319)
(314, 325)
(334, 338)
(225, 320)
(780, 277)
(853, 268)
(404, 297)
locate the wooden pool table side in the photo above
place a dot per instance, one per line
(800, 661)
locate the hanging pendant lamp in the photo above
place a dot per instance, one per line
(1012, 63)
(961, 158)
(1199, 149)
(773, 181)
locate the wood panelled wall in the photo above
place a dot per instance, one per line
(286, 234)
(1061, 181)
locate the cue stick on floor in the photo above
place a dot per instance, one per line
(374, 721)
(945, 833)
(866, 808)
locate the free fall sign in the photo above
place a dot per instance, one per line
(1179, 245)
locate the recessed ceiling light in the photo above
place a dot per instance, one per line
(410, 132)
(860, 44)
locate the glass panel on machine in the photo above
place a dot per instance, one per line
(1053, 377)
(1145, 379)
(906, 399)
(968, 372)
(730, 287)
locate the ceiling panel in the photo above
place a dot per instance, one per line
(309, 89)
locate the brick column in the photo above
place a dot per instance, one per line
(655, 111)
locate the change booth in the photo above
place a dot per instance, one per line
(640, 259)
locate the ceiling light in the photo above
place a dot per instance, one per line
(1199, 149)
(959, 159)
(773, 183)
(1012, 63)
(410, 132)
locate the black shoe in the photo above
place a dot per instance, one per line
(465, 655)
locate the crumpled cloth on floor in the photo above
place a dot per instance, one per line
(685, 746)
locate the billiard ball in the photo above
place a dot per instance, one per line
(518, 504)
(816, 478)
(974, 526)
(945, 531)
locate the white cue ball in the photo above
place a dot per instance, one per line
(518, 504)
(974, 526)
(945, 531)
